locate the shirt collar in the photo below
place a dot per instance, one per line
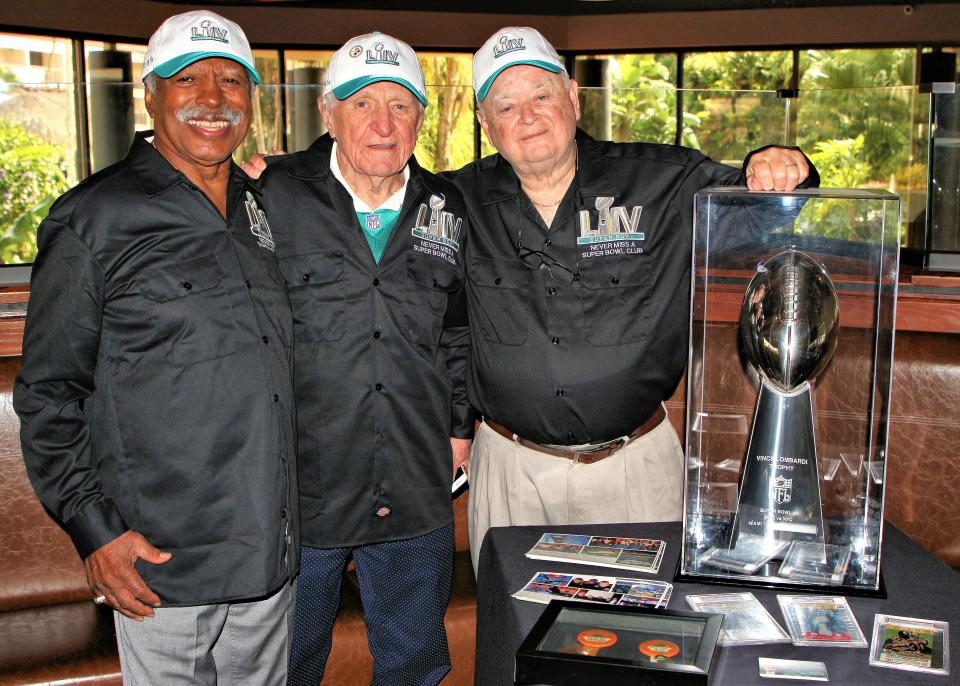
(394, 202)
(156, 174)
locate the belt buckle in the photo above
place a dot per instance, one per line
(613, 446)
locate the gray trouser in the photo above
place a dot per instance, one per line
(226, 644)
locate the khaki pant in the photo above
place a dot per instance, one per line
(512, 485)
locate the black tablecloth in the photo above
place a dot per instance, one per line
(918, 585)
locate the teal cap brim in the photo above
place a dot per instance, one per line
(485, 88)
(171, 67)
(345, 90)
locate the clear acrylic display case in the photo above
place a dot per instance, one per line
(793, 306)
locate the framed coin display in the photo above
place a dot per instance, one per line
(575, 643)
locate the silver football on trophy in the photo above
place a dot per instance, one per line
(789, 317)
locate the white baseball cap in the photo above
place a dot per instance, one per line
(187, 38)
(370, 58)
(508, 47)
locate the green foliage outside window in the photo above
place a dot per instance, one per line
(32, 176)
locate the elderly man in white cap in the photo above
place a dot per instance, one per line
(370, 247)
(156, 397)
(578, 286)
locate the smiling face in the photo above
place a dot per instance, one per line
(375, 129)
(530, 117)
(201, 114)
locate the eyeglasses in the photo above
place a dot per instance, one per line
(535, 260)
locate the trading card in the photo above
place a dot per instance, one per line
(793, 669)
(821, 620)
(920, 645)
(815, 562)
(747, 555)
(745, 620)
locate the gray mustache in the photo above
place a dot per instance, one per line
(223, 112)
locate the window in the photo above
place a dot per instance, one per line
(730, 102)
(38, 137)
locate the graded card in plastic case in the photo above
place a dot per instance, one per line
(821, 621)
(745, 620)
(917, 645)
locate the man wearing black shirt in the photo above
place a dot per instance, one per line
(155, 399)
(578, 287)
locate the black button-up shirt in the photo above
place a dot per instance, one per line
(587, 362)
(156, 390)
(380, 351)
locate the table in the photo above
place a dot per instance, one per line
(918, 585)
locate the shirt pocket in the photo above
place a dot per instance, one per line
(429, 283)
(614, 296)
(190, 310)
(501, 308)
(317, 297)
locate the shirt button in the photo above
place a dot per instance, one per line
(376, 282)
(266, 340)
(383, 512)
(187, 285)
(546, 243)
(283, 514)
(276, 398)
(379, 386)
(559, 392)
(570, 437)
(555, 340)
(306, 277)
(551, 291)
(376, 334)
(615, 280)
(247, 284)
(497, 280)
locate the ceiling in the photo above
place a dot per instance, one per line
(559, 7)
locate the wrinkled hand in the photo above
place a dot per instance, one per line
(461, 453)
(255, 165)
(110, 573)
(776, 169)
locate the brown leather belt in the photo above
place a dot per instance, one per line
(590, 455)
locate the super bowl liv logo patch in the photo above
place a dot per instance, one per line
(258, 223)
(380, 55)
(507, 44)
(207, 31)
(617, 232)
(438, 231)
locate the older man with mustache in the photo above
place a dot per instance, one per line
(578, 274)
(155, 397)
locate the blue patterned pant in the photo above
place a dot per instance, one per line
(404, 586)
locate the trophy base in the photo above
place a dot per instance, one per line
(779, 490)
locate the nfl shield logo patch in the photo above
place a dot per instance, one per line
(373, 221)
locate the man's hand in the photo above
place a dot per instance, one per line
(461, 453)
(255, 165)
(776, 169)
(110, 573)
